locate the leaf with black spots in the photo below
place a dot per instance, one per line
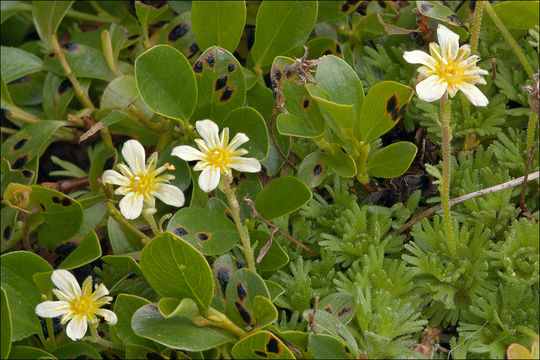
(261, 345)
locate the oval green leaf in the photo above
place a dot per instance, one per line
(282, 196)
(174, 268)
(124, 308)
(392, 161)
(248, 121)
(312, 170)
(261, 345)
(219, 23)
(47, 16)
(166, 82)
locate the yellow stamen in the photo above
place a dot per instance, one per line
(219, 158)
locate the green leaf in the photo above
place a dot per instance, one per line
(6, 327)
(304, 118)
(181, 172)
(18, 268)
(218, 23)
(174, 268)
(368, 27)
(264, 311)
(170, 307)
(17, 63)
(222, 269)
(20, 148)
(331, 10)
(124, 308)
(166, 82)
(122, 240)
(248, 121)
(75, 350)
(242, 288)
(220, 82)
(392, 161)
(22, 175)
(147, 14)
(436, 10)
(27, 91)
(339, 160)
(312, 170)
(281, 25)
(179, 34)
(282, 196)
(53, 208)
(10, 8)
(28, 352)
(512, 14)
(97, 166)
(84, 61)
(48, 16)
(7, 102)
(57, 94)
(383, 107)
(275, 256)
(120, 92)
(317, 47)
(10, 235)
(176, 332)
(341, 305)
(209, 232)
(274, 289)
(327, 322)
(261, 345)
(325, 346)
(87, 251)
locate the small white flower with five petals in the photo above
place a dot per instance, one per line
(140, 183)
(449, 68)
(216, 156)
(78, 305)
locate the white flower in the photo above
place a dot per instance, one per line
(449, 68)
(79, 306)
(140, 182)
(216, 156)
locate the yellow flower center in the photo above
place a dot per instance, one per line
(83, 305)
(452, 73)
(142, 184)
(219, 158)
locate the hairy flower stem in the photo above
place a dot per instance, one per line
(235, 210)
(477, 21)
(445, 188)
(152, 222)
(531, 127)
(508, 37)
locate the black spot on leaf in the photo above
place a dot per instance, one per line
(343, 150)
(317, 170)
(231, 67)
(241, 290)
(20, 162)
(21, 80)
(223, 276)
(7, 232)
(70, 47)
(259, 353)
(338, 48)
(193, 48)
(381, 4)
(273, 346)
(64, 86)
(276, 74)
(244, 314)
(347, 350)
(328, 309)
(425, 7)
(391, 103)
(177, 32)
(221, 82)
(344, 7)
(153, 307)
(27, 173)
(305, 103)
(51, 55)
(210, 59)
(19, 144)
(180, 231)
(344, 311)
(289, 73)
(352, 2)
(202, 236)
(42, 206)
(327, 52)
(198, 67)
(66, 201)
(226, 94)
(55, 199)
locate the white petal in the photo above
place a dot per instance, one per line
(169, 194)
(100, 291)
(464, 52)
(420, 57)
(448, 41)
(61, 296)
(187, 153)
(476, 97)
(108, 315)
(131, 205)
(134, 155)
(431, 88)
(238, 140)
(209, 179)
(51, 309)
(77, 328)
(114, 177)
(245, 164)
(209, 131)
(224, 139)
(201, 165)
(66, 282)
(435, 51)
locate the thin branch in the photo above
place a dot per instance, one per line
(67, 185)
(524, 186)
(255, 214)
(474, 194)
